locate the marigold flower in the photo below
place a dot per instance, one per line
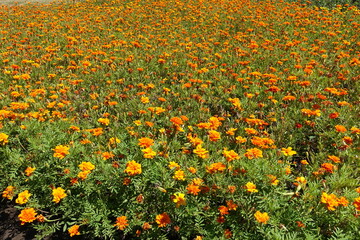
(214, 135)
(201, 152)
(83, 174)
(240, 139)
(179, 175)
(251, 187)
(216, 167)
(121, 223)
(177, 121)
(333, 158)
(253, 153)
(145, 142)
(3, 138)
(58, 194)
(163, 219)
(288, 151)
(74, 230)
(148, 153)
(23, 197)
(27, 215)
(223, 210)
(356, 203)
(179, 199)
(133, 168)
(8, 192)
(174, 165)
(61, 151)
(261, 217)
(340, 128)
(231, 205)
(193, 189)
(328, 167)
(29, 171)
(86, 166)
(230, 155)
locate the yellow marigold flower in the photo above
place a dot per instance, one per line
(133, 168)
(288, 151)
(23, 197)
(174, 165)
(61, 151)
(121, 223)
(163, 219)
(253, 153)
(201, 152)
(114, 140)
(261, 217)
(83, 174)
(27, 215)
(74, 230)
(148, 153)
(179, 199)
(179, 175)
(240, 139)
(86, 166)
(29, 171)
(8, 192)
(3, 138)
(58, 194)
(251, 187)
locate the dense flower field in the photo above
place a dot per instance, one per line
(207, 119)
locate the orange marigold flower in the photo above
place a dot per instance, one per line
(74, 230)
(193, 189)
(223, 210)
(3, 138)
(133, 168)
(347, 140)
(251, 187)
(8, 192)
(261, 217)
(121, 223)
(58, 194)
(328, 167)
(356, 203)
(230, 155)
(23, 197)
(27, 215)
(29, 171)
(61, 151)
(251, 131)
(231, 205)
(176, 121)
(145, 142)
(331, 201)
(214, 135)
(216, 167)
(253, 153)
(104, 121)
(340, 128)
(333, 158)
(163, 219)
(83, 174)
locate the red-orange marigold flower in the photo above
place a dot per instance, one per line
(163, 219)
(121, 223)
